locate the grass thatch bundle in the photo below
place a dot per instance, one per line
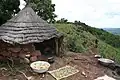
(26, 27)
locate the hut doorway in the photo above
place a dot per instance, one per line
(46, 47)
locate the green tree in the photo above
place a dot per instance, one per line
(44, 8)
(7, 9)
(62, 20)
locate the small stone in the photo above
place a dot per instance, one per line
(30, 78)
(43, 75)
(21, 61)
(14, 54)
(105, 77)
(26, 60)
(15, 49)
(36, 53)
(5, 54)
(28, 52)
(27, 55)
(97, 56)
(16, 79)
(22, 55)
(83, 73)
(25, 49)
(34, 58)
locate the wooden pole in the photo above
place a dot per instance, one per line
(61, 46)
(56, 45)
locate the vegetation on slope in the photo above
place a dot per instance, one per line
(108, 51)
(109, 38)
(79, 40)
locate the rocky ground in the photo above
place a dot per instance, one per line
(88, 67)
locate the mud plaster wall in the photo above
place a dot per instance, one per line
(14, 51)
(8, 50)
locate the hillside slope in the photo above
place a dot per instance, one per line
(107, 37)
(113, 30)
(80, 40)
(77, 40)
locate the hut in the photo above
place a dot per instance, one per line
(26, 33)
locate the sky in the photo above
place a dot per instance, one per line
(96, 13)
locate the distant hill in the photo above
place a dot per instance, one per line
(113, 30)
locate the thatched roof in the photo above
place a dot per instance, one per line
(26, 27)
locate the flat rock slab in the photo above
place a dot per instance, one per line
(105, 78)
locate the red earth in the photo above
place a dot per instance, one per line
(84, 62)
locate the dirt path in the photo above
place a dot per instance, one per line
(83, 62)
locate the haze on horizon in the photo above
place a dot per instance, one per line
(96, 13)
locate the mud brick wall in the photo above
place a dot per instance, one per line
(8, 50)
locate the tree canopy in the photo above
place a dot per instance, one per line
(7, 9)
(62, 20)
(44, 8)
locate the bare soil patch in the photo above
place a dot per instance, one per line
(88, 67)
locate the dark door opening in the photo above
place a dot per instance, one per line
(46, 48)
